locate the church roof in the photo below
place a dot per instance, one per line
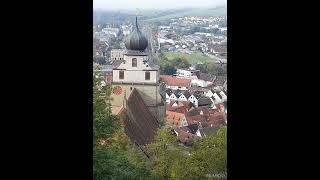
(136, 40)
(140, 124)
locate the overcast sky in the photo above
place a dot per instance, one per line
(154, 4)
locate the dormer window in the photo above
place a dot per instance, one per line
(134, 62)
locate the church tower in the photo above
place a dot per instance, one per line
(137, 71)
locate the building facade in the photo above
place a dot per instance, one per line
(137, 71)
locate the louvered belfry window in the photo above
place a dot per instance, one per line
(147, 75)
(134, 62)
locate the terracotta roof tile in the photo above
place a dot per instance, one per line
(174, 118)
(174, 81)
(184, 136)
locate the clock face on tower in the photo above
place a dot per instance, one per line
(117, 90)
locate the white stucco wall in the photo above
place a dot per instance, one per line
(199, 82)
(135, 74)
(183, 98)
(193, 100)
(135, 77)
(217, 99)
(173, 97)
(209, 94)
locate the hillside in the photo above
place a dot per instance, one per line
(164, 15)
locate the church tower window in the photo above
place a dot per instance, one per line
(121, 74)
(134, 62)
(147, 75)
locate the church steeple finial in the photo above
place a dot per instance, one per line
(137, 12)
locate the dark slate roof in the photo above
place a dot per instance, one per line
(117, 63)
(192, 128)
(168, 91)
(197, 95)
(140, 124)
(177, 93)
(186, 94)
(219, 95)
(204, 101)
(136, 40)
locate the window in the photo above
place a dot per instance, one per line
(134, 62)
(121, 74)
(147, 75)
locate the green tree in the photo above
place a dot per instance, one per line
(207, 67)
(208, 157)
(180, 62)
(114, 157)
(163, 151)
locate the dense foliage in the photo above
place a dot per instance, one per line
(169, 67)
(206, 159)
(114, 157)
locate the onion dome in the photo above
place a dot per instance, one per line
(136, 40)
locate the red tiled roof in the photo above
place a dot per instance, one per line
(174, 118)
(184, 136)
(217, 119)
(174, 81)
(196, 119)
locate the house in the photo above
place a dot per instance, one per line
(199, 83)
(198, 119)
(192, 128)
(173, 97)
(186, 72)
(209, 93)
(184, 136)
(175, 83)
(168, 93)
(223, 95)
(194, 99)
(199, 90)
(225, 86)
(116, 54)
(203, 111)
(217, 98)
(180, 106)
(215, 120)
(207, 131)
(205, 102)
(184, 96)
(176, 119)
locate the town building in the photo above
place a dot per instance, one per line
(116, 54)
(136, 71)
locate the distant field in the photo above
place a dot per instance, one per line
(219, 11)
(192, 58)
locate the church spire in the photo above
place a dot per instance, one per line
(136, 22)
